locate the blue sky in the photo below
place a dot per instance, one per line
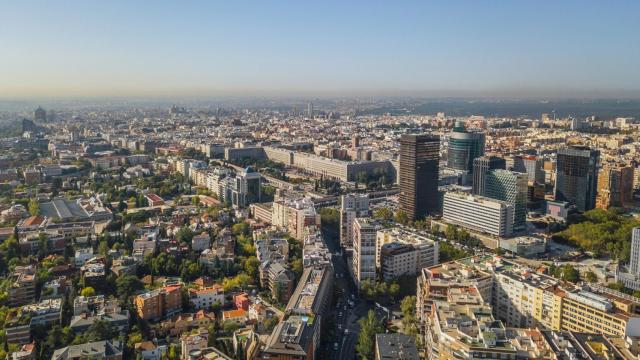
(449, 48)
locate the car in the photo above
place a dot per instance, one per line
(340, 327)
(346, 331)
(335, 346)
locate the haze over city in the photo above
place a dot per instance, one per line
(562, 49)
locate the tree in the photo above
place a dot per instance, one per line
(184, 235)
(369, 327)
(229, 327)
(384, 214)
(88, 291)
(34, 207)
(296, 267)
(402, 217)
(252, 267)
(270, 323)
(103, 248)
(409, 321)
(591, 277)
(240, 228)
(127, 285)
(394, 290)
(569, 273)
(451, 232)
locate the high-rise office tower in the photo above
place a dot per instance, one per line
(419, 155)
(247, 188)
(615, 186)
(531, 165)
(352, 206)
(310, 110)
(510, 187)
(40, 114)
(634, 266)
(481, 166)
(577, 176)
(464, 146)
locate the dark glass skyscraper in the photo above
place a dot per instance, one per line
(419, 156)
(577, 176)
(481, 166)
(464, 146)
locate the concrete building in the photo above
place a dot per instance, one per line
(352, 206)
(402, 252)
(295, 338)
(160, 303)
(615, 186)
(364, 250)
(106, 349)
(479, 213)
(295, 216)
(395, 347)
(530, 165)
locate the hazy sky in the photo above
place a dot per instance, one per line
(520, 48)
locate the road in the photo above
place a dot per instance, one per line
(346, 316)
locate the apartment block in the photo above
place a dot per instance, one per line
(160, 303)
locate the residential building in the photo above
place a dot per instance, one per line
(23, 285)
(419, 157)
(352, 206)
(281, 281)
(615, 186)
(295, 216)
(314, 292)
(159, 303)
(395, 347)
(297, 337)
(205, 298)
(106, 349)
(200, 242)
(364, 250)
(403, 252)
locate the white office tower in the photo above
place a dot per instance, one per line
(352, 206)
(364, 250)
(478, 213)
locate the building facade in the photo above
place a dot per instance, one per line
(419, 168)
(577, 176)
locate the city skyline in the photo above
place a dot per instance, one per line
(118, 49)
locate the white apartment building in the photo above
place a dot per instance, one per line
(200, 242)
(478, 213)
(352, 206)
(402, 252)
(364, 250)
(204, 299)
(296, 216)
